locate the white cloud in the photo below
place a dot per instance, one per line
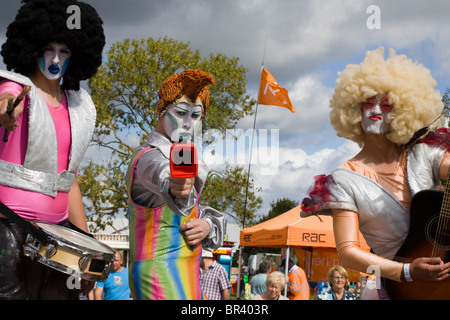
(297, 170)
(309, 96)
(285, 171)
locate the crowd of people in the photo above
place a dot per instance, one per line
(269, 284)
(214, 281)
(266, 284)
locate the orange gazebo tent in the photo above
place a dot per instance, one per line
(312, 240)
(289, 229)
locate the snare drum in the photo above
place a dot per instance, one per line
(71, 252)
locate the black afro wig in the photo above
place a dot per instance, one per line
(40, 22)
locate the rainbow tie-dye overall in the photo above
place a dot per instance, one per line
(162, 265)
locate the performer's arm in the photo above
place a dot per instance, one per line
(345, 226)
(195, 231)
(346, 233)
(445, 164)
(9, 90)
(208, 229)
(181, 187)
(215, 220)
(77, 215)
(153, 186)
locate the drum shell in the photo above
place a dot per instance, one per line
(71, 258)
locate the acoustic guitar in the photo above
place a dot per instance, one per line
(429, 236)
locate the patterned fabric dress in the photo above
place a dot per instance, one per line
(162, 265)
(330, 295)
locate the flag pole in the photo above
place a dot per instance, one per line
(248, 170)
(253, 136)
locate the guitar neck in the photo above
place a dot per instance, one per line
(445, 208)
(442, 236)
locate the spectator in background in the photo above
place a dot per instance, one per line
(116, 286)
(338, 280)
(275, 284)
(298, 286)
(274, 266)
(258, 282)
(213, 278)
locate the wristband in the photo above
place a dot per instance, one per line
(406, 272)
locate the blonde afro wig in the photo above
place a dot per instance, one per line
(190, 83)
(408, 85)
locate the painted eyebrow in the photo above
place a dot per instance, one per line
(182, 109)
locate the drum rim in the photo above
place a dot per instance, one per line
(108, 258)
(78, 248)
(86, 275)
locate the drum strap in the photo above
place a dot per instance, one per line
(29, 228)
(74, 227)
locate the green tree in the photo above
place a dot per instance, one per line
(278, 207)
(125, 92)
(226, 192)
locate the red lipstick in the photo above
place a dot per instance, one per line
(375, 118)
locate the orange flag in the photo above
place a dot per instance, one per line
(270, 92)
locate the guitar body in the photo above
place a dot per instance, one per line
(425, 211)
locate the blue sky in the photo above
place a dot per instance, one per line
(308, 42)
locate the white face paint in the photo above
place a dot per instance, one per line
(53, 63)
(182, 118)
(375, 111)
